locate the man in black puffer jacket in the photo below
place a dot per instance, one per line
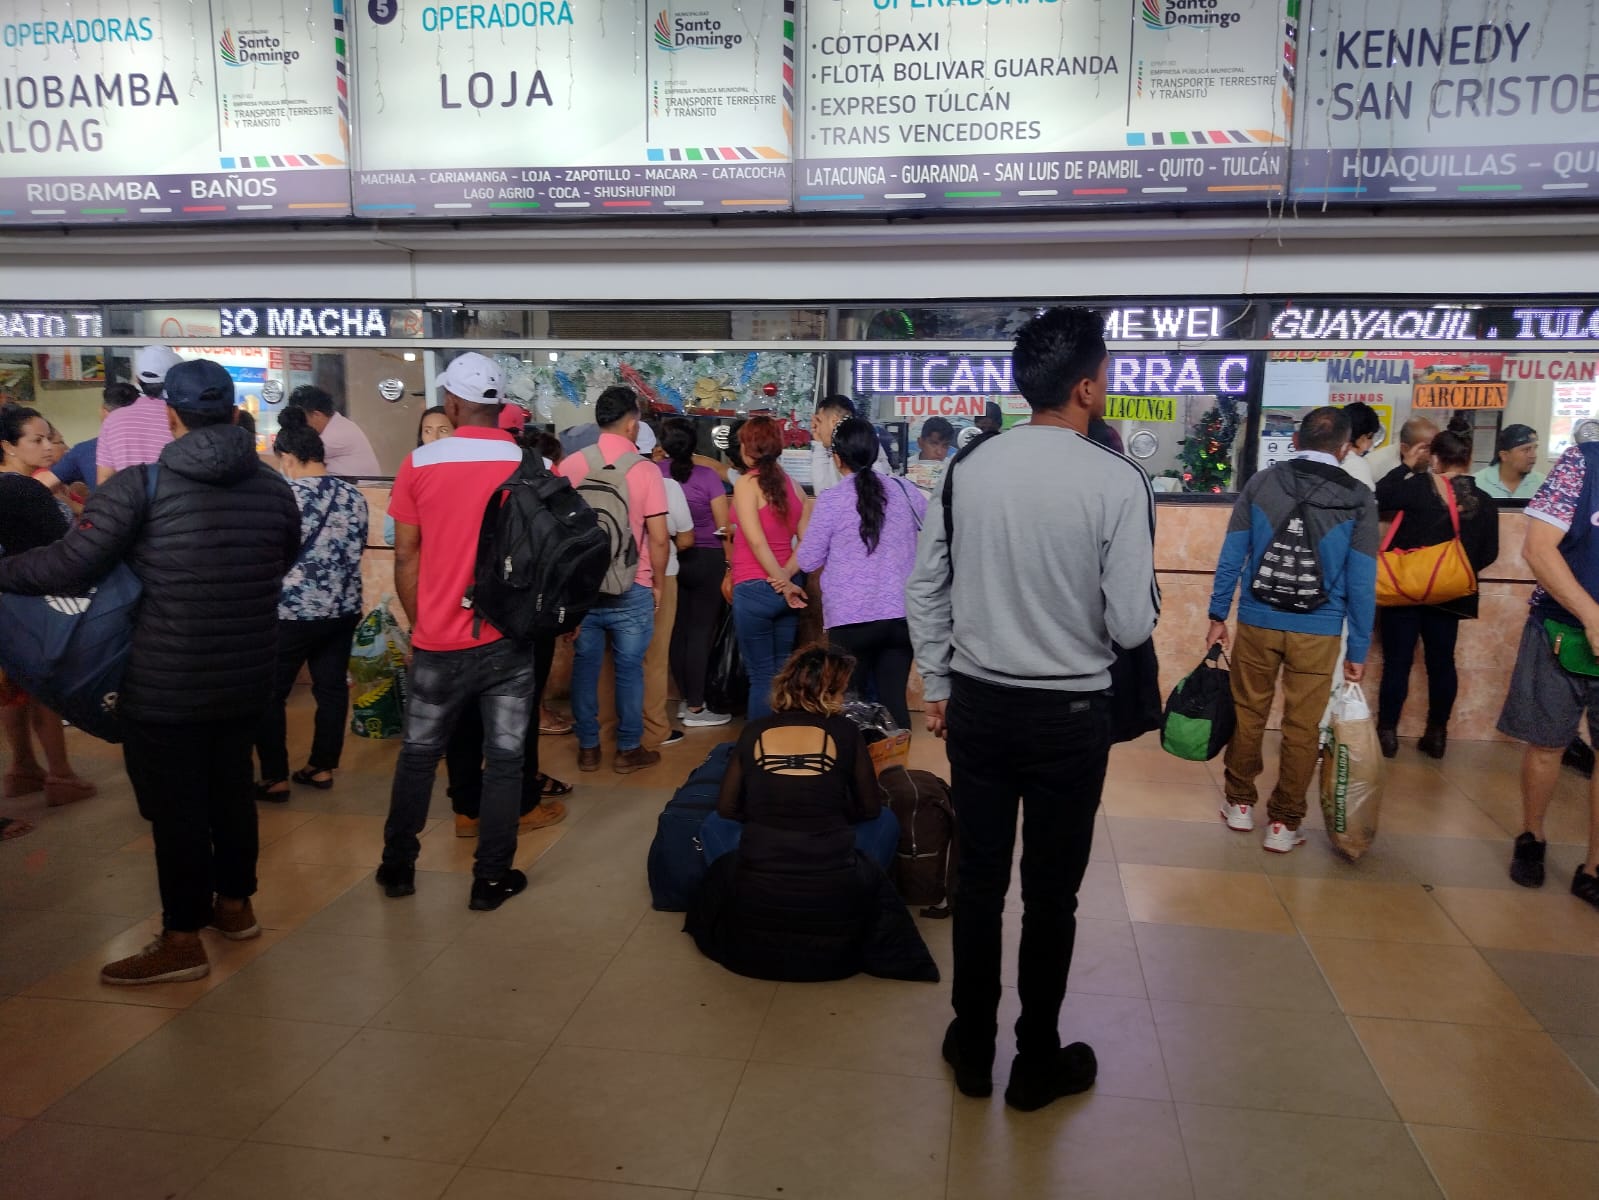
(211, 550)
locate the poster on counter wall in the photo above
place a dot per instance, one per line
(917, 104)
(1449, 100)
(566, 108)
(172, 111)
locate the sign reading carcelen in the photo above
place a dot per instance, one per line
(171, 110)
(926, 104)
(566, 108)
(1449, 100)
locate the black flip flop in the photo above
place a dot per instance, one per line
(308, 776)
(550, 786)
(263, 791)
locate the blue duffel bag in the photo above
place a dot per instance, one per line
(676, 863)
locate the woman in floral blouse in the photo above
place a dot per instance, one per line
(318, 611)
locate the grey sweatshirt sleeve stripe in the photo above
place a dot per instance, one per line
(929, 607)
(1132, 593)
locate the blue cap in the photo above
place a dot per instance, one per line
(200, 386)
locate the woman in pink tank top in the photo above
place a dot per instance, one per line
(769, 515)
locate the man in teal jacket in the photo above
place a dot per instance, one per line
(1310, 514)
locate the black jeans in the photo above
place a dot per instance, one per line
(1437, 631)
(699, 612)
(325, 646)
(497, 680)
(193, 784)
(463, 757)
(882, 652)
(1047, 750)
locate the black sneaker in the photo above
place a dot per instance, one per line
(1585, 886)
(974, 1081)
(489, 894)
(1032, 1086)
(1388, 739)
(1579, 757)
(396, 881)
(1526, 862)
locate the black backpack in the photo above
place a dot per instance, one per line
(1289, 575)
(541, 555)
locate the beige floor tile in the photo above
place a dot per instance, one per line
(1552, 920)
(289, 893)
(1386, 912)
(1217, 899)
(333, 841)
(1439, 809)
(615, 1115)
(11, 1126)
(1100, 898)
(505, 992)
(49, 1047)
(436, 913)
(36, 944)
(215, 1074)
(47, 1161)
(113, 885)
(671, 1004)
(1584, 1051)
(1164, 801)
(878, 1146)
(1091, 1146)
(337, 979)
(259, 1172)
(404, 1095)
(1235, 1154)
(860, 1024)
(275, 824)
(1207, 845)
(568, 912)
(443, 851)
(1418, 983)
(1472, 1165)
(1147, 762)
(1559, 989)
(81, 980)
(1119, 1028)
(1228, 966)
(1468, 1077)
(475, 1183)
(1268, 1059)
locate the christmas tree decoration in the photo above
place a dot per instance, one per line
(1207, 451)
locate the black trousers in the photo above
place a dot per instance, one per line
(324, 645)
(1045, 752)
(882, 652)
(1437, 632)
(699, 612)
(463, 757)
(193, 784)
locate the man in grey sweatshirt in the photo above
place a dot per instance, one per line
(1029, 568)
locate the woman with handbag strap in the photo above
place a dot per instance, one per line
(1430, 510)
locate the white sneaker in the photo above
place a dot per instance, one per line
(1280, 839)
(705, 718)
(1239, 817)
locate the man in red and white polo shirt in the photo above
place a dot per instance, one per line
(137, 434)
(437, 505)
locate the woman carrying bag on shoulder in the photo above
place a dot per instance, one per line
(1422, 585)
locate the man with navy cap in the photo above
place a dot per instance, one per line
(210, 532)
(1511, 476)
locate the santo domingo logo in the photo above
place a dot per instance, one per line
(1165, 14)
(692, 31)
(253, 47)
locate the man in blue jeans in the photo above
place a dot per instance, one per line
(627, 620)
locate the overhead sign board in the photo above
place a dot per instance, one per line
(1460, 395)
(912, 104)
(572, 108)
(1456, 100)
(985, 375)
(172, 110)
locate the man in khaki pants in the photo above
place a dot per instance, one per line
(1303, 542)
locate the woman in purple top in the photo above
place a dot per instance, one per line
(699, 571)
(863, 537)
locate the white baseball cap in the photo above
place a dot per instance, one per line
(474, 378)
(151, 363)
(646, 439)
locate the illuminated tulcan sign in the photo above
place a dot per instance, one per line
(988, 374)
(42, 324)
(1556, 324)
(1376, 324)
(307, 322)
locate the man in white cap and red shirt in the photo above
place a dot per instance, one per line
(437, 504)
(138, 433)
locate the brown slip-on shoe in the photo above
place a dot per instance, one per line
(239, 925)
(465, 827)
(550, 812)
(637, 759)
(164, 960)
(588, 758)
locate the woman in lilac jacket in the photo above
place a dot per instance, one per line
(862, 537)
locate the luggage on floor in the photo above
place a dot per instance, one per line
(1351, 775)
(924, 865)
(1200, 717)
(676, 863)
(377, 665)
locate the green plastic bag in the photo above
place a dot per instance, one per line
(377, 665)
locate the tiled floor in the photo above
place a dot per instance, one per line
(1411, 1026)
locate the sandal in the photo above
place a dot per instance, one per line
(550, 786)
(265, 791)
(308, 776)
(61, 790)
(13, 827)
(552, 724)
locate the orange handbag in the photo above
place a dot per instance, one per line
(1427, 574)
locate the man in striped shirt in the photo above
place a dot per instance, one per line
(138, 433)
